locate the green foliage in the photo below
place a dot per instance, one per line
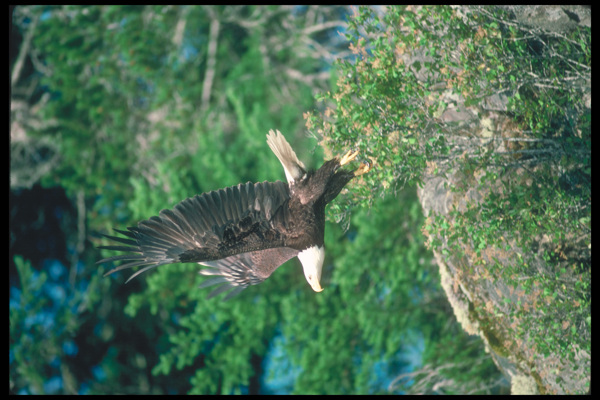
(533, 173)
(385, 106)
(44, 320)
(28, 341)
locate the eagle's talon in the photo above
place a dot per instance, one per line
(349, 156)
(363, 169)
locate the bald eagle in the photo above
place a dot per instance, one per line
(243, 233)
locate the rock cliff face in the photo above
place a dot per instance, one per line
(484, 302)
(552, 18)
(478, 300)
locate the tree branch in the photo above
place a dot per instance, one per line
(24, 50)
(211, 61)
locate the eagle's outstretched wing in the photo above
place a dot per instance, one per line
(238, 232)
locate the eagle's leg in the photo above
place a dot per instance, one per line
(349, 156)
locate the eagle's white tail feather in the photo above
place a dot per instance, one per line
(294, 168)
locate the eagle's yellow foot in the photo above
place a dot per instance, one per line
(363, 169)
(349, 156)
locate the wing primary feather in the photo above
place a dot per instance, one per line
(118, 248)
(219, 290)
(140, 272)
(196, 219)
(234, 292)
(121, 240)
(126, 257)
(210, 271)
(125, 266)
(209, 210)
(212, 281)
(127, 233)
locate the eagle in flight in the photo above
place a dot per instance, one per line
(243, 233)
